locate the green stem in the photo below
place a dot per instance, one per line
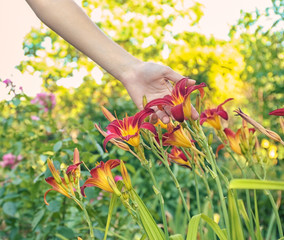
(179, 190)
(274, 206)
(81, 205)
(210, 199)
(214, 166)
(275, 209)
(166, 164)
(197, 196)
(161, 199)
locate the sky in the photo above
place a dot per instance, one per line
(17, 19)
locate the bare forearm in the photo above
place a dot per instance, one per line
(68, 20)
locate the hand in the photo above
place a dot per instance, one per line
(152, 80)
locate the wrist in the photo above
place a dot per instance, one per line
(129, 71)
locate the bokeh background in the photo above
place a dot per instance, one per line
(235, 47)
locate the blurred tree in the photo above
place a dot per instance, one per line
(263, 51)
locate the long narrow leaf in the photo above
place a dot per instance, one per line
(256, 184)
(150, 226)
(194, 223)
(235, 221)
(257, 226)
(243, 212)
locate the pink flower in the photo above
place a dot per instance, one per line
(7, 82)
(46, 100)
(35, 118)
(117, 178)
(10, 160)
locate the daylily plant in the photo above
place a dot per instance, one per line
(178, 157)
(59, 184)
(102, 176)
(212, 116)
(179, 100)
(128, 128)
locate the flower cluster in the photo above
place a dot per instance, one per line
(46, 101)
(181, 141)
(10, 160)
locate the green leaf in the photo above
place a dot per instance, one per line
(235, 221)
(150, 226)
(54, 206)
(243, 212)
(66, 232)
(57, 146)
(256, 184)
(194, 223)
(37, 218)
(10, 208)
(257, 225)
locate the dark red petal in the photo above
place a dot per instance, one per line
(139, 117)
(193, 88)
(108, 138)
(203, 118)
(112, 163)
(223, 114)
(229, 132)
(220, 105)
(150, 127)
(252, 130)
(72, 167)
(177, 113)
(277, 112)
(158, 101)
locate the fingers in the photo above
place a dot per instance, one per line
(163, 116)
(194, 113)
(171, 75)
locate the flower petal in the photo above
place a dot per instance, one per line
(177, 113)
(277, 112)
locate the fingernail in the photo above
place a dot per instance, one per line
(165, 119)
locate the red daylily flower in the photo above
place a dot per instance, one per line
(58, 183)
(74, 170)
(179, 100)
(128, 128)
(234, 140)
(101, 175)
(277, 112)
(242, 136)
(177, 136)
(212, 116)
(178, 157)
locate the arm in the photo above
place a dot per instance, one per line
(140, 78)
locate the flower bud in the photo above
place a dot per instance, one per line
(113, 186)
(125, 176)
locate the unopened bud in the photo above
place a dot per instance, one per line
(125, 176)
(113, 186)
(210, 138)
(53, 171)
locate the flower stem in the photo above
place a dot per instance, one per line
(81, 205)
(210, 156)
(161, 199)
(147, 165)
(274, 206)
(161, 155)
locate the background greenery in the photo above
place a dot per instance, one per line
(248, 68)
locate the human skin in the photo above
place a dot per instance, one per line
(140, 78)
